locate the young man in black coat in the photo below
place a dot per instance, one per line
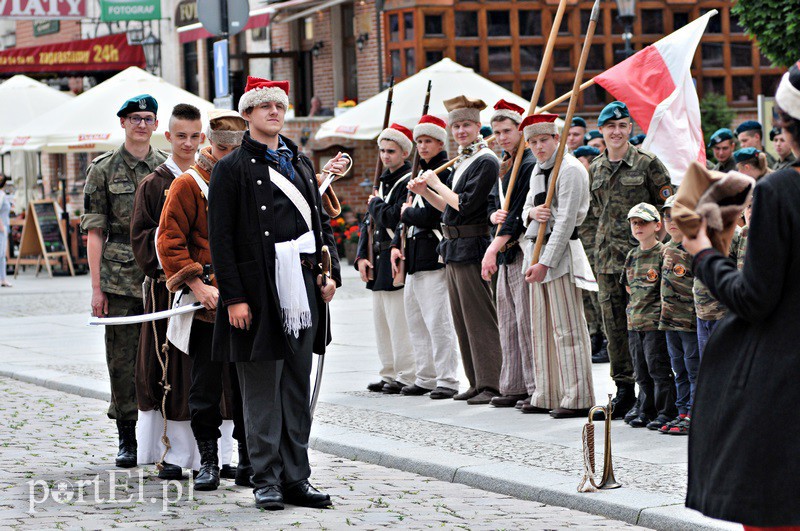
(266, 231)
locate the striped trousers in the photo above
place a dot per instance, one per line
(513, 316)
(562, 353)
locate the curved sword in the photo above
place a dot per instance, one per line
(326, 275)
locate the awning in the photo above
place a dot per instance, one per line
(307, 12)
(108, 53)
(259, 18)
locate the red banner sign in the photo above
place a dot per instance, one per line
(104, 53)
(55, 9)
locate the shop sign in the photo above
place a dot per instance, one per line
(46, 27)
(116, 10)
(109, 53)
(30, 9)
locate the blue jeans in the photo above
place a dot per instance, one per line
(685, 359)
(704, 329)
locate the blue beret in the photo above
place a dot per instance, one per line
(140, 103)
(591, 135)
(616, 110)
(486, 131)
(749, 125)
(719, 136)
(586, 151)
(774, 132)
(577, 121)
(744, 154)
(637, 140)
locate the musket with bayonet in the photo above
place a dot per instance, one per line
(399, 278)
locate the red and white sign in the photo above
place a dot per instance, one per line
(656, 84)
(111, 53)
(53, 9)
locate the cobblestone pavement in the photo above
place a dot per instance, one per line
(56, 472)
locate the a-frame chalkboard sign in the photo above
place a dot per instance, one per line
(42, 236)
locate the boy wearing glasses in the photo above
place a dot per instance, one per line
(111, 183)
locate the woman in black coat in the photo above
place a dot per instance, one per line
(744, 446)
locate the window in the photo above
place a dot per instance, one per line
(679, 20)
(498, 23)
(769, 84)
(562, 58)
(714, 23)
(408, 25)
(434, 25)
(741, 54)
(433, 56)
(596, 59)
(500, 59)
(743, 88)
(652, 21)
(594, 96)
(469, 56)
(466, 23)
(410, 64)
(712, 55)
(585, 15)
(530, 23)
(735, 27)
(714, 84)
(397, 67)
(530, 58)
(394, 28)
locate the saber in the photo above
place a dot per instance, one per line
(145, 317)
(326, 275)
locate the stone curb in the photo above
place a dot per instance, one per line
(647, 509)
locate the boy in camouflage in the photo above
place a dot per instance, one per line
(679, 321)
(648, 344)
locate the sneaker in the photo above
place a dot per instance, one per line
(674, 422)
(682, 428)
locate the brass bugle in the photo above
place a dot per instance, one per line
(607, 481)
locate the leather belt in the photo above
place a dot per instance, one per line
(510, 245)
(573, 236)
(451, 232)
(120, 238)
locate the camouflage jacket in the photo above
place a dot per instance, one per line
(725, 167)
(677, 301)
(111, 182)
(741, 249)
(643, 276)
(639, 177)
(785, 163)
(707, 307)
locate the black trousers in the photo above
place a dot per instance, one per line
(653, 373)
(276, 396)
(205, 394)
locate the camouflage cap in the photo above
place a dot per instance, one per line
(645, 211)
(668, 202)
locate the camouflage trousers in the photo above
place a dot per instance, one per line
(122, 344)
(591, 310)
(613, 301)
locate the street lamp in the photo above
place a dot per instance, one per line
(626, 12)
(151, 45)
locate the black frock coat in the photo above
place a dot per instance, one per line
(241, 235)
(744, 442)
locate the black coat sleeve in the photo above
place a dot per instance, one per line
(477, 188)
(513, 225)
(424, 217)
(755, 292)
(222, 207)
(387, 213)
(494, 202)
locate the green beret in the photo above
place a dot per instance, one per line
(141, 103)
(591, 135)
(774, 132)
(749, 125)
(720, 135)
(744, 154)
(577, 121)
(586, 151)
(637, 140)
(645, 211)
(616, 110)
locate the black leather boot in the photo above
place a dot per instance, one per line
(599, 350)
(126, 457)
(208, 477)
(622, 402)
(244, 470)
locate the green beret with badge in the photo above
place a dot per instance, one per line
(749, 125)
(577, 121)
(586, 151)
(616, 110)
(141, 103)
(637, 140)
(745, 154)
(644, 211)
(591, 135)
(720, 135)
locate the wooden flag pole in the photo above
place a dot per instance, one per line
(576, 88)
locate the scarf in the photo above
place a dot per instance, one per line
(466, 152)
(206, 160)
(292, 294)
(282, 158)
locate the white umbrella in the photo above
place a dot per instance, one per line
(89, 122)
(23, 99)
(449, 79)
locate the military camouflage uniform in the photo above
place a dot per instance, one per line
(679, 321)
(616, 188)
(741, 248)
(728, 165)
(111, 183)
(591, 306)
(784, 163)
(648, 344)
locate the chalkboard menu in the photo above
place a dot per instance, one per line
(49, 227)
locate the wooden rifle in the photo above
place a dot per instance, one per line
(399, 278)
(375, 185)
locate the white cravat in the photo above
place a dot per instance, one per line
(292, 294)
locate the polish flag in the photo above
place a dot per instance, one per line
(656, 84)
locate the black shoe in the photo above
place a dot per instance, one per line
(304, 495)
(507, 400)
(170, 471)
(482, 399)
(634, 411)
(601, 356)
(658, 423)
(597, 342)
(126, 457)
(443, 392)
(244, 470)
(414, 390)
(564, 413)
(376, 387)
(227, 472)
(208, 476)
(393, 388)
(269, 498)
(522, 403)
(624, 401)
(466, 395)
(640, 422)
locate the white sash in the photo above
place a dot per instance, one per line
(294, 195)
(200, 182)
(467, 163)
(380, 194)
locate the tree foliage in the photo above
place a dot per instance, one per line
(715, 114)
(776, 25)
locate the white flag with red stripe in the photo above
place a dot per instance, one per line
(656, 84)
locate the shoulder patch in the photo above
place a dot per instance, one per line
(651, 275)
(679, 270)
(103, 156)
(665, 191)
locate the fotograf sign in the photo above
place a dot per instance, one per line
(116, 10)
(30, 9)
